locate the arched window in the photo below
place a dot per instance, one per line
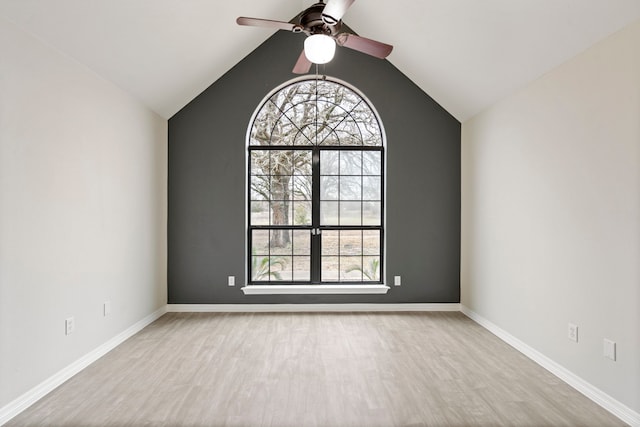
(315, 186)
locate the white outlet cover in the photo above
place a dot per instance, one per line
(572, 332)
(609, 349)
(232, 280)
(69, 325)
(397, 280)
(107, 308)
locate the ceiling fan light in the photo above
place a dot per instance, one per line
(319, 48)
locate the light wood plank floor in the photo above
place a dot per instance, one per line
(314, 369)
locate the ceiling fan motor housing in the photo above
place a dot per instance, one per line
(312, 21)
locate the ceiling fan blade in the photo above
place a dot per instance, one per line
(268, 23)
(303, 65)
(364, 45)
(335, 10)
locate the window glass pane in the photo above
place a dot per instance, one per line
(280, 242)
(260, 242)
(302, 187)
(298, 111)
(301, 138)
(280, 187)
(351, 242)
(302, 162)
(330, 242)
(371, 188)
(329, 213)
(329, 188)
(371, 242)
(330, 269)
(371, 268)
(259, 162)
(261, 132)
(302, 242)
(348, 99)
(350, 162)
(310, 130)
(257, 195)
(372, 213)
(260, 267)
(265, 268)
(330, 139)
(371, 138)
(280, 131)
(350, 188)
(260, 187)
(279, 98)
(302, 213)
(350, 213)
(281, 268)
(351, 268)
(368, 125)
(259, 213)
(302, 268)
(371, 163)
(329, 162)
(281, 213)
(329, 115)
(348, 133)
(281, 162)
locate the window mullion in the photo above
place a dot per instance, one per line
(316, 239)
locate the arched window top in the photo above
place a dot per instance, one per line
(316, 112)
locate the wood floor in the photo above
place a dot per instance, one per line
(314, 369)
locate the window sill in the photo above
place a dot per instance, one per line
(313, 289)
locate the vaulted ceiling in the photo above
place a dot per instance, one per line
(466, 54)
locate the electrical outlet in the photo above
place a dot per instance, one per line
(609, 349)
(572, 332)
(231, 280)
(69, 325)
(397, 280)
(106, 308)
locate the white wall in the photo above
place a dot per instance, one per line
(82, 211)
(551, 214)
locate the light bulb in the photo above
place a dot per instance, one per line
(319, 48)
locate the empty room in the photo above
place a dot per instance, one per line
(348, 213)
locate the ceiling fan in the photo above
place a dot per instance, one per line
(322, 24)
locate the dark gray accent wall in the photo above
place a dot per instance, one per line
(206, 226)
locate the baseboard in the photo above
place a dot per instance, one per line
(617, 408)
(278, 308)
(30, 397)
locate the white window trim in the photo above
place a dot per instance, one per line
(314, 289)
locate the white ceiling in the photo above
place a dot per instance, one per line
(466, 54)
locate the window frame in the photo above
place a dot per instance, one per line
(315, 283)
